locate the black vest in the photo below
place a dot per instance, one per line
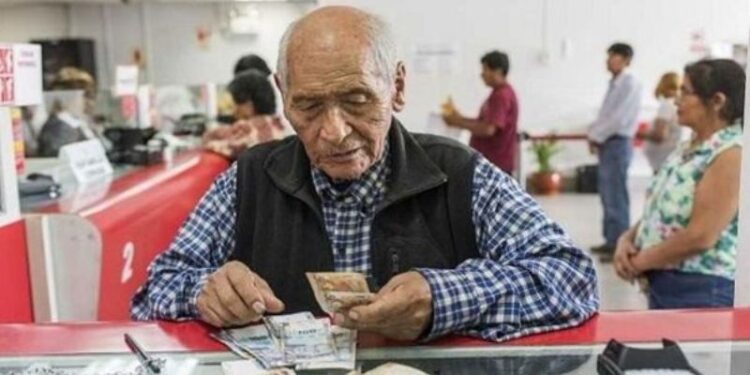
(423, 221)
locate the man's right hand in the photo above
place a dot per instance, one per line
(234, 295)
(593, 148)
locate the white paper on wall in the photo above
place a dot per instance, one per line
(20, 74)
(435, 59)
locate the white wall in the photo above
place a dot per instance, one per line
(561, 95)
(164, 32)
(742, 280)
(22, 23)
(565, 93)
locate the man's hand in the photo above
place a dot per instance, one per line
(401, 310)
(234, 295)
(452, 118)
(624, 253)
(593, 148)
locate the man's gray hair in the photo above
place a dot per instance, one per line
(382, 46)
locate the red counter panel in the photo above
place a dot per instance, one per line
(636, 326)
(136, 217)
(15, 289)
(137, 227)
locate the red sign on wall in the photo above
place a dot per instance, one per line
(7, 86)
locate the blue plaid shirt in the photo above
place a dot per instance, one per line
(530, 278)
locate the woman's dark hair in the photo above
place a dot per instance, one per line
(497, 60)
(710, 77)
(251, 61)
(253, 86)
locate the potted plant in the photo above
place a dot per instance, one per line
(545, 181)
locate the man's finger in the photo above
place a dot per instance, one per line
(211, 318)
(383, 308)
(231, 302)
(243, 283)
(272, 303)
(223, 315)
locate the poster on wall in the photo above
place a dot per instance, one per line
(20, 85)
(441, 59)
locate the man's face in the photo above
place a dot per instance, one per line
(488, 75)
(341, 107)
(616, 63)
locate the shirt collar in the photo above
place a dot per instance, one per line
(620, 77)
(716, 139)
(365, 190)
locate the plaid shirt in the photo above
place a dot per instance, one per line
(530, 278)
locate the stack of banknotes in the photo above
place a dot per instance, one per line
(302, 341)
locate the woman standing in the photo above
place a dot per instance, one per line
(685, 244)
(664, 134)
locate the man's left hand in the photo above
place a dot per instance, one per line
(401, 310)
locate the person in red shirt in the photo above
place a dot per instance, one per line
(493, 133)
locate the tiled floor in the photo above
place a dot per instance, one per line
(580, 215)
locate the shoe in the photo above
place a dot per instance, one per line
(606, 258)
(602, 249)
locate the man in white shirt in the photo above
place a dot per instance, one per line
(610, 137)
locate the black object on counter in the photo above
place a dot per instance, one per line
(39, 184)
(131, 146)
(618, 358)
(191, 124)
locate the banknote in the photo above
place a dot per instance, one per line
(337, 290)
(297, 340)
(345, 342)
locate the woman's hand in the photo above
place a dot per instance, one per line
(624, 252)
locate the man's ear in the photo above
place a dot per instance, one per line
(399, 96)
(277, 81)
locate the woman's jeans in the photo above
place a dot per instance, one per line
(671, 289)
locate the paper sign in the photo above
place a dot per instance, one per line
(126, 80)
(87, 160)
(20, 74)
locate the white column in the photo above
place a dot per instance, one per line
(742, 277)
(9, 206)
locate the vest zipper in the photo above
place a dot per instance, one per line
(394, 262)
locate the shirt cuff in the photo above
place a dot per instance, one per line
(454, 303)
(193, 292)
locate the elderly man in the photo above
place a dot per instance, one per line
(453, 244)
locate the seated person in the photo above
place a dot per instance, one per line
(245, 63)
(685, 244)
(66, 125)
(452, 243)
(254, 111)
(251, 61)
